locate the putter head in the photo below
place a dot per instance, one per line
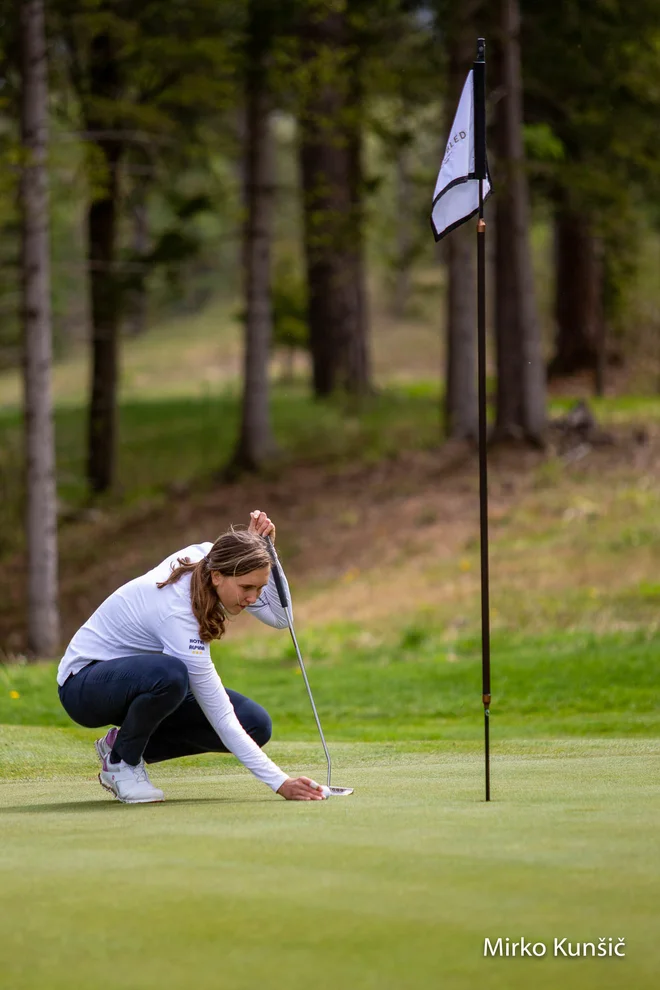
(329, 791)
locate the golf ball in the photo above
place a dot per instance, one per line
(326, 791)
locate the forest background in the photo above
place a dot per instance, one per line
(220, 286)
(219, 292)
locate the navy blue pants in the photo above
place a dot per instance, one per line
(147, 695)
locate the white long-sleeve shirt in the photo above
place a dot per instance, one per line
(139, 617)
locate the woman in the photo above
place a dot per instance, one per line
(143, 661)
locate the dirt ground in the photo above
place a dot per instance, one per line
(334, 525)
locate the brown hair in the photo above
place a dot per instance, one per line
(234, 553)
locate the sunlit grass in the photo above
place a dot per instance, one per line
(191, 355)
(182, 355)
(233, 887)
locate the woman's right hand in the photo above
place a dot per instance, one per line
(301, 789)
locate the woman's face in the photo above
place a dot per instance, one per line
(236, 593)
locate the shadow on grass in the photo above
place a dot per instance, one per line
(101, 805)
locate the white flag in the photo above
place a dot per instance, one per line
(456, 196)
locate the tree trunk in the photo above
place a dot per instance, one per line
(41, 503)
(256, 443)
(357, 370)
(101, 232)
(136, 304)
(578, 295)
(330, 173)
(461, 410)
(601, 357)
(509, 359)
(404, 237)
(288, 364)
(521, 399)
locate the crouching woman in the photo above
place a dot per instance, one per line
(142, 663)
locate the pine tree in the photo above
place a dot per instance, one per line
(521, 394)
(41, 501)
(256, 443)
(331, 168)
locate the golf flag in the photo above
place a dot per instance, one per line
(462, 186)
(456, 195)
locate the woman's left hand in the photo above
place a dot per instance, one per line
(261, 524)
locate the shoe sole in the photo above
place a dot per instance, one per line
(106, 787)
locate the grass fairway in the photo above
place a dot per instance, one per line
(226, 885)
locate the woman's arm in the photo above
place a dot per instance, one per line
(214, 701)
(180, 638)
(267, 607)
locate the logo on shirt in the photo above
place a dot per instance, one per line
(196, 646)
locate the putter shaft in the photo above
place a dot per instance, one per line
(309, 690)
(285, 605)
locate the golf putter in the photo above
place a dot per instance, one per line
(329, 791)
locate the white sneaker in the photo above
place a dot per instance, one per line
(131, 785)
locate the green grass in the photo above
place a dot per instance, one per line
(188, 438)
(615, 408)
(226, 885)
(175, 357)
(174, 440)
(417, 684)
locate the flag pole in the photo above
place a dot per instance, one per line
(480, 172)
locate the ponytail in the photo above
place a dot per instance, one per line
(204, 600)
(234, 553)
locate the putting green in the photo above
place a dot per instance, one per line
(397, 887)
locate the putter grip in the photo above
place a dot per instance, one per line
(277, 574)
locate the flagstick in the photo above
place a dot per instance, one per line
(480, 174)
(483, 481)
(464, 162)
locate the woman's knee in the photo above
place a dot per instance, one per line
(262, 726)
(171, 674)
(255, 720)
